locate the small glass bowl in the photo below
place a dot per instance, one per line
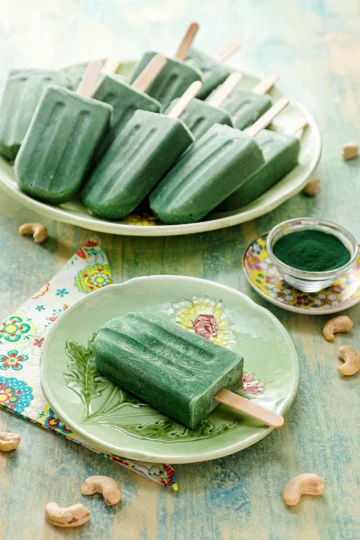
(301, 279)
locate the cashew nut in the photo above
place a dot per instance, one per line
(105, 485)
(312, 188)
(338, 324)
(350, 150)
(351, 359)
(303, 484)
(73, 516)
(8, 441)
(38, 230)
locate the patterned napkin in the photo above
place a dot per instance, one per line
(22, 336)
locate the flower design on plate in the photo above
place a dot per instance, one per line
(12, 360)
(256, 248)
(282, 295)
(15, 394)
(144, 219)
(304, 300)
(326, 300)
(252, 261)
(16, 328)
(251, 386)
(93, 277)
(205, 317)
(48, 419)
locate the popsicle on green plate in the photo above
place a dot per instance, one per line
(199, 116)
(214, 72)
(178, 372)
(61, 140)
(135, 162)
(21, 95)
(126, 99)
(215, 166)
(281, 153)
(175, 77)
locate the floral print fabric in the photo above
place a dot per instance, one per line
(22, 336)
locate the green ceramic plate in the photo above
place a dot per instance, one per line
(114, 421)
(75, 213)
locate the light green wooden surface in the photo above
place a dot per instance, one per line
(315, 47)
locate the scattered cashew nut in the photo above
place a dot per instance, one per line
(335, 325)
(38, 230)
(105, 485)
(312, 188)
(351, 359)
(303, 484)
(9, 441)
(73, 516)
(350, 150)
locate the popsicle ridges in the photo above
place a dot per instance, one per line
(174, 370)
(64, 127)
(246, 107)
(21, 95)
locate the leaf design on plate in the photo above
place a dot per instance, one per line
(168, 430)
(83, 377)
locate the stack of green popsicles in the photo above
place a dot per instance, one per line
(61, 140)
(135, 162)
(21, 95)
(176, 371)
(214, 72)
(215, 166)
(176, 76)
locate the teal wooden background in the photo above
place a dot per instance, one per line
(315, 47)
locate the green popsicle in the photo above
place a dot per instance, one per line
(214, 72)
(140, 156)
(61, 140)
(21, 95)
(215, 166)
(246, 107)
(199, 116)
(172, 369)
(281, 153)
(176, 76)
(126, 99)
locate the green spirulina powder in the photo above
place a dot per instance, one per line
(314, 251)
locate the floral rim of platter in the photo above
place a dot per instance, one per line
(266, 280)
(108, 417)
(145, 224)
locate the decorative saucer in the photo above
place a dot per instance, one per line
(266, 280)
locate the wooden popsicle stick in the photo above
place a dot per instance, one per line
(151, 71)
(250, 408)
(266, 84)
(224, 89)
(298, 127)
(186, 41)
(227, 51)
(87, 83)
(110, 66)
(267, 118)
(185, 99)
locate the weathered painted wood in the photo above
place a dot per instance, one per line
(315, 47)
